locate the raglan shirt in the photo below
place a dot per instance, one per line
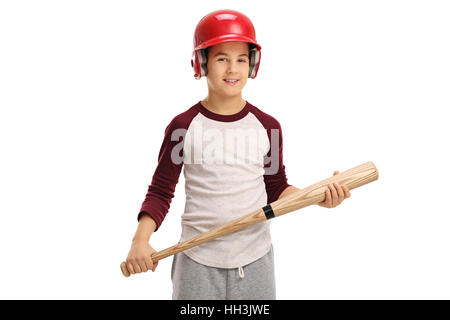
(233, 165)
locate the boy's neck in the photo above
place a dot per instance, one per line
(224, 107)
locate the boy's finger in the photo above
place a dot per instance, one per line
(333, 194)
(346, 191)
(143, 266)
(130, 268)
(149, 263)
(340, 192)
(328, 201)
(136, 268)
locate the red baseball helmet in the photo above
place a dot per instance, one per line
(224, 26)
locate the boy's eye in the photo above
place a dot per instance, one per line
(242, 60)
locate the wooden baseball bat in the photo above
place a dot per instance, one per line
(352, 178)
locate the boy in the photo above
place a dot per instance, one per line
(218, 187)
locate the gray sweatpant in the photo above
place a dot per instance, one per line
(194, 281)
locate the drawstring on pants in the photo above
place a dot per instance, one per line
(241, 272)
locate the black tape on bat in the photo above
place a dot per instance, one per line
(268, 212)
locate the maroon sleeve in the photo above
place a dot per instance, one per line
(276, 181)
(162, 188)
(165, 178)
(274, 170)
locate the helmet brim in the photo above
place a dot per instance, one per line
(226, 38)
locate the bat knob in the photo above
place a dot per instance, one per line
(124, 269)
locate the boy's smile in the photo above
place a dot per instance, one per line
(231, 82)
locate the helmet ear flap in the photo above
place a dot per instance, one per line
(203, 59)
(199, 63)
(254, 57)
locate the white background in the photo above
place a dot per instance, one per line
(87, 89)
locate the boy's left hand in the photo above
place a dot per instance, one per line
(335, 194)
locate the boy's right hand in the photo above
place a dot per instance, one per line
(140, 257)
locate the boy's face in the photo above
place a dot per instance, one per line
(228, 60)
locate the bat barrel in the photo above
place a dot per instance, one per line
(352, 178)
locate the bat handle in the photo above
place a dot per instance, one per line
(155, 257)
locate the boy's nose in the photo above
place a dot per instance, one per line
(232, 67)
